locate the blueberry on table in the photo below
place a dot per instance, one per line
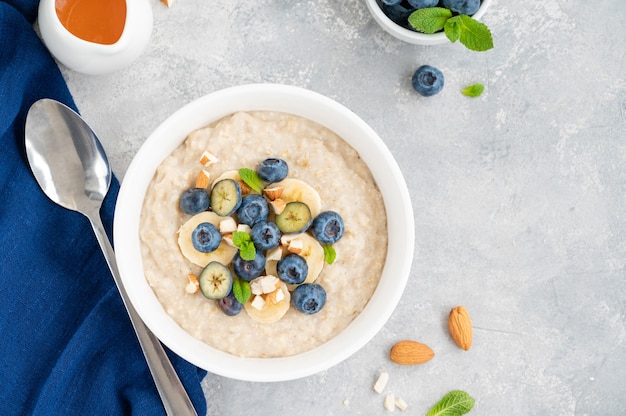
(230, 305)
(249, 269)
(254, 208)
(427, 80)
(327, 227)
(265, 235)
(194, 201)
(467, 7)
(309, 298)
(206, 237)
(273, 170)
(292, 269)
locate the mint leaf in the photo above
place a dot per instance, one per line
(452, 30)
(251, 179)
(244, 243)
(475, 35)
(455, 403)
(239, 237)
(329, 253)
(241, 290)
(430, 19)
(474, 90)
(247, 251)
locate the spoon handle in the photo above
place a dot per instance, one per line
(172, 392)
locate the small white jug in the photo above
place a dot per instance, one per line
(96, 58)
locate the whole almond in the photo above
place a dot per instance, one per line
(410, 353)
(460, 327)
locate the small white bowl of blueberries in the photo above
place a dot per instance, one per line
(394, 16)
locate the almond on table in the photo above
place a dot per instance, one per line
(460, 327)
(410, 353)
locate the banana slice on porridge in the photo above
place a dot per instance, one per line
(223, 254)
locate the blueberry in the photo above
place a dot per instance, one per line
(206, 237)
(399, 14)
(194, 200)
(249, 269)
(253, 208)
(327, 227)
(422, 4)
(265, 235)
(292, 269)
(468, 7)
(272, 170)
(309, 298)
(427, 80)
(230, 305)
(390, 2)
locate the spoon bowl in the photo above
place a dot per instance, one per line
(66, 157)
(72, 169)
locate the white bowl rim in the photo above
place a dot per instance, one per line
(411, 36)
(271, 97)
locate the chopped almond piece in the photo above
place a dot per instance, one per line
(258, 302)
(168, 3)
(269, 283)
(390, 402)
(278, 206)
(208, 158)
(274, 297)
(295, 246)
(285, 239)
(381, 382)
(274, 254)
(203, 180)
(228, 239)
(245, 189)
(228, 226)
(401, 404)
(273, 193)
(192, 285)
(244, 228)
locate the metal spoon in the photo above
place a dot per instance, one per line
(71, 168)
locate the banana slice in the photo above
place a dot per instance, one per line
(223, 254)
(297, 190)
(267, 312)
(312, 252)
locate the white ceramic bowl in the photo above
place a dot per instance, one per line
(300, 102)
(409, 35)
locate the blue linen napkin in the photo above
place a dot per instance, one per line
(66, 344)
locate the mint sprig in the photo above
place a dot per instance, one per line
(241, 290)
(430, 19)
(474, 90)
(251, 179)
(455, 403)
(329, 253)
(243, 242)
(473, 34)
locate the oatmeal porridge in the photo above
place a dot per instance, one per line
(314, 155)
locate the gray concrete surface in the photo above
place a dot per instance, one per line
(519, 195)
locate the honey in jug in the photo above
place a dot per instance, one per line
(98, 21)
